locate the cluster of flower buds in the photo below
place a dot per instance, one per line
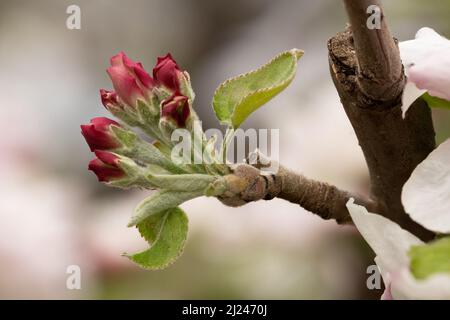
(104, 139)
(158, 104)
(123, 159)
(101, 140)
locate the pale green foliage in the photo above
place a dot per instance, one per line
(166, 233)
(236, 98)
(435, 102)
(431, 258)
(160, 201)
(181, 182)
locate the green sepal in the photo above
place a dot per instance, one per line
(125, 113)
(142, 151)
(148, 153)
(147, 111)
(132, 176)
(127, 138)
(186, 87)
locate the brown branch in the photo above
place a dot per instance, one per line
(366, 69)
(247, 184)
(380, 72)
(364, 63)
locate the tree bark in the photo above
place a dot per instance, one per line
(366, 69)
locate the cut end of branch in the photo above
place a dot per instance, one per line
(369, 91)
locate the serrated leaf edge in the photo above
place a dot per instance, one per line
(169, 262)
(296, 53)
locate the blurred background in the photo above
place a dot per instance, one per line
(54, 213)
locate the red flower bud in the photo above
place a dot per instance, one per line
(167, 72)
(106, 166)
(177, 108)
(98, 134)
(109, 98)
(129, 79)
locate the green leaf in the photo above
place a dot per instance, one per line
(160, 201)
(430, 258)
(166, 232)
(236, 98)
(435, 102)
(180, 182)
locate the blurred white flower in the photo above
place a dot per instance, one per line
(426, 195)
(426, 198)
(391, 245)
(426, 60)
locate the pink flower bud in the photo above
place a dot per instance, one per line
(109, 98)
(98, 134)
(167, 72)
(106, 166)
(176, 108)
(129, 79)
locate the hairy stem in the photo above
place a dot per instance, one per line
(247, 184)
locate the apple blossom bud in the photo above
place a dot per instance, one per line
(109, 98)
(106, 166)
(176, 109)
(167, 72)
(98, 134)
(130, 80)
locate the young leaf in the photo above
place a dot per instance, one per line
(430, 258)
(160, 201)
(236, 98)
(166, 233)
(435, 102)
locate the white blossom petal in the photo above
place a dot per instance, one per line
(433, 74)
(426, 194)
(426, 61)
(386, 238)
(410, 94)
(427, 41)
(387, 295)
(404, 286)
